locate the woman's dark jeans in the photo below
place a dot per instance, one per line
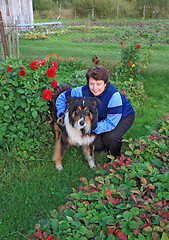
(112, 141)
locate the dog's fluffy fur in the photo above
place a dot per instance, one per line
(80, 119)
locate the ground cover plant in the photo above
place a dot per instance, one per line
(30, 186)
(129, 198)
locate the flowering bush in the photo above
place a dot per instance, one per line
(127, 200)
(34, 35)
(24, 115)
(133, 58)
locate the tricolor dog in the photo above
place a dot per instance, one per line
(80, 118)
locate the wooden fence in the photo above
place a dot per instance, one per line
(9, 40)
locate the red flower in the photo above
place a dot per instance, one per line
(9, 68)
(47, 94)
(21, 67)
(130, 63)
(54, 83)
(121, 42)
(54, 64)
(151, 45)
(42, 62)
(51, 72)
(34, 65)
(51, 238)
(138, 46)
(22, 73)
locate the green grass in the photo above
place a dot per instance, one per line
(30, 189)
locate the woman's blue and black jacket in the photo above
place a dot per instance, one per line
(113, 107)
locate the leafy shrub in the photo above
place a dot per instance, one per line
(24, 115)
(133, 59)
(128, 199)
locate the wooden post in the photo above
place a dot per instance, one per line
(17, 39)
(117, 11)
(144, 12)
(4, 42)
(92, 12)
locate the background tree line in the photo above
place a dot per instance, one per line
(102, 8)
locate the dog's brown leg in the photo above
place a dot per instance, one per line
(59, 151)
(89, 153)
(56, 130)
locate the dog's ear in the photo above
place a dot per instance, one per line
(94, 101)
(70, 100)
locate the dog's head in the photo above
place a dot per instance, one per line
(82, 113)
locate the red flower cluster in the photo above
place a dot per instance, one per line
(34, 65)
(54, 84)
(22, 73)
(138, 46)
(9, 68)
(42, 62)
(51, 72)
(54, 64)
(47, 94)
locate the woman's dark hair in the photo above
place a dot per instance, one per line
(98, 73)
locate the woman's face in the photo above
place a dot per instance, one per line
(96, 86)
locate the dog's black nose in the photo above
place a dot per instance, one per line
(82, 122)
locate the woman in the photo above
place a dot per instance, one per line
(116, 114)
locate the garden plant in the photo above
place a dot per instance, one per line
(125, 198)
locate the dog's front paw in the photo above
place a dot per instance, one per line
(92, 164)
(59, 167)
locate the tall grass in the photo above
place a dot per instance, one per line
(30, 189)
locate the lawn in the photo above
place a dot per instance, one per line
(30, 185)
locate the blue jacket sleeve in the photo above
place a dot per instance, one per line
(61, 100)
(114, 114)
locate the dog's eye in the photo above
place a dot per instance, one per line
(86, 111)
(77, 111)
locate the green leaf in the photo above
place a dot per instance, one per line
(129, 153)
(94, 219)
(137, 151)
(55, 224)
(155, 236)
(132, 183)
(158, 229)
(133, 224)
(127, 216)
(141, 236)
(15, 83)
(167, 227)
(74, 195)
(63, 225)
(34, 113)
(131, 146)
(147, 229)
(70, 219)
(109, 220)
(164, 236)
(82, 230)
(6, 107)
(100, 179)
